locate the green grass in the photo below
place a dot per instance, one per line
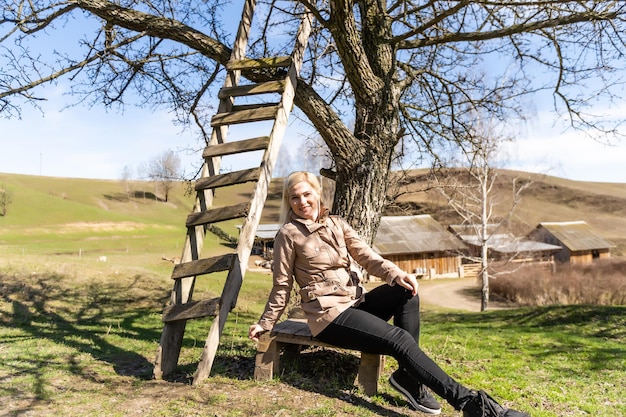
(91, 218)
(81, 339)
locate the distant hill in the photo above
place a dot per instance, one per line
(547, 199)
(47, 205)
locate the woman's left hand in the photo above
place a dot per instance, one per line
(409, 282)
(254, 331)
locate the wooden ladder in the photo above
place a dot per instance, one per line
(181, 307)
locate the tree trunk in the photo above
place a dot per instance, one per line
(484, 217)
(360, 195)
(362, 157)
(484, 299)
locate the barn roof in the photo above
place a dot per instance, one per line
(501, 242)
(265, 231)
(576, 235)
(397, 235)
(413, 234)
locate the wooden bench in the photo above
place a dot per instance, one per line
(296, 332)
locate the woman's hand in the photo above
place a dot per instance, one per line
(409, 282)
(254, 331)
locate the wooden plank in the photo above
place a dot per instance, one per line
(229, 148)
(292, 327)
(228, 302)
(255, 63)
(295, 332)
(267, 360)
(253, 106)
(204, 266)
(219, 214)
(284, 334)
(274, 86)
(169, 348)
(230, 178)
(369, 373)
(193, 310)
(244, 116)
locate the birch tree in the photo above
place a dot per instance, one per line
(470, 191)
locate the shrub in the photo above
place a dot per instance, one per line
(600, 283)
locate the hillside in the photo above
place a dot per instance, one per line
(58, 214)
(547, 199)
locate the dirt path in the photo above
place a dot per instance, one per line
(459, 294)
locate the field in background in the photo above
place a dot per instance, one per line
(547, 199)
(96, 218)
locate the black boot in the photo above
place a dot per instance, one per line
(482, 405)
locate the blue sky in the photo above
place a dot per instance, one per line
(84, 142)
(89, 143)
(548, 146)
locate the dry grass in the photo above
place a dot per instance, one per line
(601, 283)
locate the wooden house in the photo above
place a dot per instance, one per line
(420, 245)
(579, 243)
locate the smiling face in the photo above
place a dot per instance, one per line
(304, 201)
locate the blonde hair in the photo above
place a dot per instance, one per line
(291, 180)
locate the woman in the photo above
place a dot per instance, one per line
(317, 250)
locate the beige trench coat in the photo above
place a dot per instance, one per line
(318, 256)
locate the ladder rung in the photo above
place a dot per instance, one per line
(277, 86)
(273, 62)
(256, 114)
(193, 310)
(231, 178)
(229, 148)
(204, 266)
(254, 106)
(219, 214)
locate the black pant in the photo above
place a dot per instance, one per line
(366, 328)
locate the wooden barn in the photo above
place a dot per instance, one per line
(419, 244)
(504, 246)
(580, 244)
(264, 239)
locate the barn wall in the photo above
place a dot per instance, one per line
(605, 254)
(542, 235)
(442, 264)
(580, 258)
(588, 256)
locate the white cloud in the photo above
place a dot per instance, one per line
(569, 154)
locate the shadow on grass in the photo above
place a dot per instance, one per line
(105, 319)
(326, 371)
(83, 318)
(137, 195)
(559, 330)
(332, 373)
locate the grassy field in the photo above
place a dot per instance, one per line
(80, 339)
(79, 336)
